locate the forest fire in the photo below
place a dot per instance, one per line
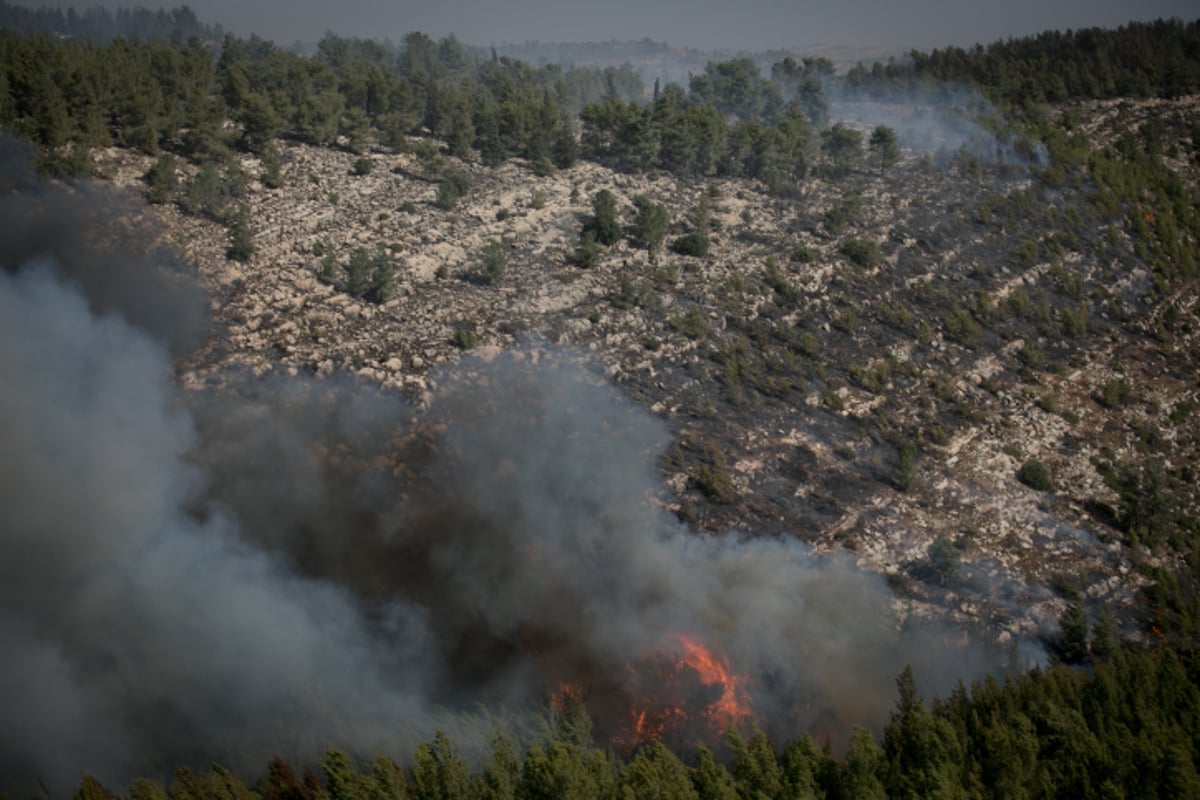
(686, 693)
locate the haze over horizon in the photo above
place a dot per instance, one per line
(706, 24)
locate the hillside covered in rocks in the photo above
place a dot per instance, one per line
(878, 362)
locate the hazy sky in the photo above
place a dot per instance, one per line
(738, 24)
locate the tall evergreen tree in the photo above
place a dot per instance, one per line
(884, 147)
(650, 223)
(604, 225)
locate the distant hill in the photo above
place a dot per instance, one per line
(100, 26)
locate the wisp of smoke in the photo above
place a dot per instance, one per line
(935, 119)
(281, 566)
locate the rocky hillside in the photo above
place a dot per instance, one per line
(944, 366)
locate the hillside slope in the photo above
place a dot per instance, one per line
(868, 364)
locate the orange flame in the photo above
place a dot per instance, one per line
(567, 694)
(684, 693)
(693, 693)
(733, 706)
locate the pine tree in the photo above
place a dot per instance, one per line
(502, 774)
(358, 272)
(92, 789)
(280, 783)
(755, 770)
(272, 166)
(564, 148)
(161, 179)
(383, 278)
(801, 764)
(439, 772)
(862, 767)
(843, 146)
(650, 224)
(604, 225)
(342, 778)
(1073, 632)
(146, 789)
(1105, 643)
(656, 772)
(712, 781)
(261, 123)
(241, 237)
(387, 780)
(884, 147)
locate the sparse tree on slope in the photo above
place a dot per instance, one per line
(884, 147)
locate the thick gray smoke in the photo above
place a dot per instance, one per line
(131, 628)
(283, 566)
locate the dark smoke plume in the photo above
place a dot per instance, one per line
(101, 241)
(281, 566)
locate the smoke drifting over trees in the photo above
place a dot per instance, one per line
(279, 566)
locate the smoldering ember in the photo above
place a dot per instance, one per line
(800, 427)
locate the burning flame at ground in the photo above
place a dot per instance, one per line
(686, 693)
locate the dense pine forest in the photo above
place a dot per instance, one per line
(1107, 719)
(1138, 60)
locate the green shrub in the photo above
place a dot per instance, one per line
(1027, 254)
(451, 188)
(588, 251)
(961, 326)
(1034, 474)
(631, 294)
(836, 220)
(464, 338)
(692, 324)
(944, 559)
(362, 166)
(161, 179)
(691, 244)
(1030, 354)
(809, 344)
(493, 263)
(802, 255)
(862, 253)
(328, 273)
(1114, 394)
(716, 484)
(1048, 401)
